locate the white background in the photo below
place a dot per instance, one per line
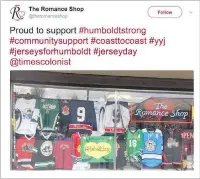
(180, 53)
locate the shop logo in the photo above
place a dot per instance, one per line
(117, 120)
(27, 148)
(64, 146)
(49, 107)
(172, 143)
(150, 145)
(46, 148)
(27, 113)
(17, 14)
(65, 110)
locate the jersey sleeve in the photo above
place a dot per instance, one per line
(125, 114)
(161, 140)
(54, 149)
(60, 123)
(36, 113)
(17, 104)
(17, 111)
(92, 116)
(143, 131)
(73, 137)
(140, 140)
(63, 123)
(126, 143)
(72, 150)
(101, 120)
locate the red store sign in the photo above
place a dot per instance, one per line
(163, 109)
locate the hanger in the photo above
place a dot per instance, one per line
(57, 136)
(45, 136)
(151, 128)
(48, 132)
(132, 127)
(27, 96)
(158, 126)
(178, 127)
(171, 127)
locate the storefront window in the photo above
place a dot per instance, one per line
(74, 128)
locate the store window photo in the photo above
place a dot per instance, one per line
(87, 128)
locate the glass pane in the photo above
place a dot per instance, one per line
(73, 128)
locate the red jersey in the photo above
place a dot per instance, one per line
(63, 151)
(77, 144)
(24, 151)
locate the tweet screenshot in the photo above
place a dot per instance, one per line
(105, 89)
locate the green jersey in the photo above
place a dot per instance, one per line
(134, 143)
(97, 149)
(46, 112)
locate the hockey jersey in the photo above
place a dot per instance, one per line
(134, 144)
(82, 117)
(43, 157)
(25, 124)
(172, 147)
(120, 153)
(63, 151)
(77, 145)
(64, 116)
(81, 166)
(46, 113)
(108, 121)
(99, 106)
(24, 151)
(152, 148)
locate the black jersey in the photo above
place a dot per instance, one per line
(43, 157)
(82, 117)
(64, 116)
(121, 148)
(172, 147)
(120, 153)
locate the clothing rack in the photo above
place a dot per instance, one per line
(28, 95)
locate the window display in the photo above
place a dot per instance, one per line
(108, 129)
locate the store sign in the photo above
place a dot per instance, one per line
(189, 135)
(163, 108)
(96, 149)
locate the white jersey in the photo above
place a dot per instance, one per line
(81, 166)
(96, 133)
(24, 123)
(98, 106)
(107, 122)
